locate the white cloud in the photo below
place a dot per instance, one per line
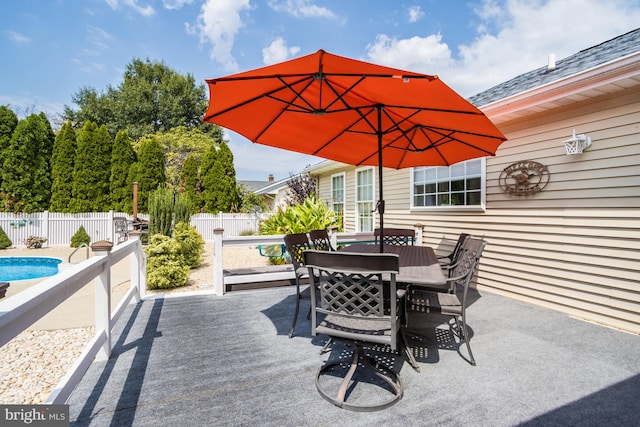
(218, 23)
(142, 10)
(17, 37)
(416, 53)
(514, 36)
(175, 4)
(278, 51)
(301, 8)
(415, 13)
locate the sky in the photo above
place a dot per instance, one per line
(51, 49)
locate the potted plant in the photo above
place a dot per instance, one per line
(34, 242)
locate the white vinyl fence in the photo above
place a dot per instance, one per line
(58, 228)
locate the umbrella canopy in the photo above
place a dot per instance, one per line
(353, 112)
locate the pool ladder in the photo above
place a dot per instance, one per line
(76, 250)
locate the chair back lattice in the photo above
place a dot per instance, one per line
(355, 287)
(467, 262)
(395, 236)
(296, 244)
(320, 240)
(457, 249)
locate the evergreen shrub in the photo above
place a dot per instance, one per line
(166, 266)
(161, 206)
(191, 244)
(182, 208)
(5, 242)
(81, 236)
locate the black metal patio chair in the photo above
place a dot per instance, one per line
(296, 244)
(320, 240)
(454, 304)
(395, 236)
(358, 305)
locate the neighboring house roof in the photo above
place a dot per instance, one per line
(273, 187)
(254, 186)
(594, 56)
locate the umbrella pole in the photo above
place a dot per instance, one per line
(381, 199)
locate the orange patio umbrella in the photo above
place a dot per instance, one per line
(352, 112)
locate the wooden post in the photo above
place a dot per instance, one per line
(218, 274)
(103, 298)
(135, 201)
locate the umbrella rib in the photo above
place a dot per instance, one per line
(269, 94)
(340, 96)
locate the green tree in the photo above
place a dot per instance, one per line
(122, 157)
(62, 161)
(151, 98)
(92, 170)
(190, 183)
(250, 201)
(148, 172)
(8, 123)
(180, 143)
(219, 187)
(26, 175)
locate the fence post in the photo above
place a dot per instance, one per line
(103, 298)
(218, 274)
(138, 275)
(45, 226)
(333, 236)
(418, 228)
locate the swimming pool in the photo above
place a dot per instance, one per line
(27, 267)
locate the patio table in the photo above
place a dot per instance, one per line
(418, 264)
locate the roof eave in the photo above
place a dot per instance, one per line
(609, 73)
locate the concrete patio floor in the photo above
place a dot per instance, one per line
(203, 360)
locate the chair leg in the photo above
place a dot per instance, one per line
(295, 315)
(463, 335)
(359, 358)
(409, 352)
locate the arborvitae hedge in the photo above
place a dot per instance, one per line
(92, 170)
(62, 161)
(122, 157)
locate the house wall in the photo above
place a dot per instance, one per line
(573, 247)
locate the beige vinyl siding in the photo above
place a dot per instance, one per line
(575, 246)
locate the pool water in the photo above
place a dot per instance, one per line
(23, 268)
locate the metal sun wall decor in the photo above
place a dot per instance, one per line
(524, 178)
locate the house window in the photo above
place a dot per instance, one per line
(364, 199)
(461, 184)
(337, 194)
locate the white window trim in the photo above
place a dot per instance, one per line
(344, 193)
(355, 197)
(482, 207)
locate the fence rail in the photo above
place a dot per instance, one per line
(58, 228)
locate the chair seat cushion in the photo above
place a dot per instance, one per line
(434, 302)
(359, 329)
